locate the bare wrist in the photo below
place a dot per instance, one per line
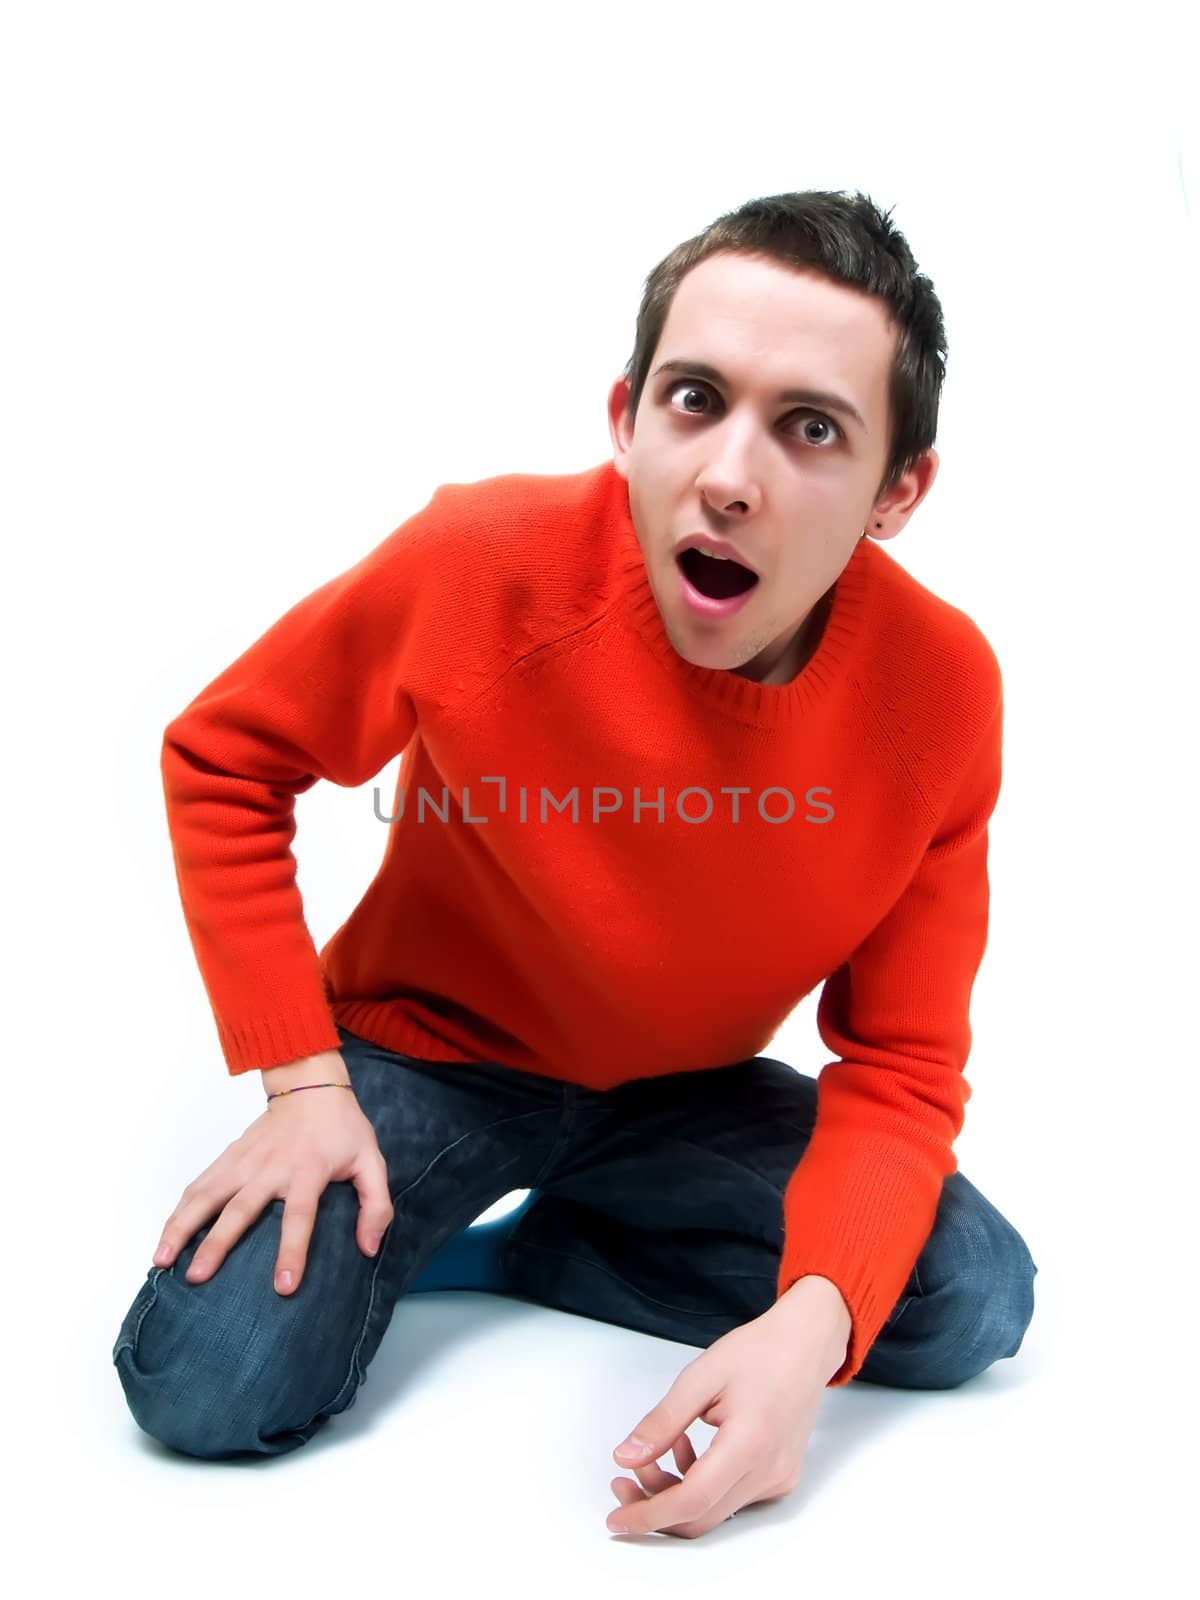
(819, 1304)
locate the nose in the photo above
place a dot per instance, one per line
(728, 483)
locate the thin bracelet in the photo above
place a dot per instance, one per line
(302, 1086)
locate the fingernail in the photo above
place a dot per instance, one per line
(633, 1446)
(373, 1245)
(284, 1281)
(161, 1255)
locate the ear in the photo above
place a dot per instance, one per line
(620, 427)
(898, 505)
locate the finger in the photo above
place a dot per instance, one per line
(196, 1206)
(683, 1452)
(375, 1209)
(655, 1479)
(651, 1478)
(627, 1492)
(654, 1482)
(237, 1216)
(299, 1216)
(244, 1208)
(744, 1494)
(726, 1462)
(741, 1494)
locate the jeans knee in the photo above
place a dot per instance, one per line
(209, 1425)
(993, 1327)
(201, 1388)
(1018, 1302)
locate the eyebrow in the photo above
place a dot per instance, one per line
(807, 397)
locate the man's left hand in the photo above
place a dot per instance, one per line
(760, 1387)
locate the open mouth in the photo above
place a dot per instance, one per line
(714, 578)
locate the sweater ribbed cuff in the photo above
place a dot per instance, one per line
(858, 1213)
(262, 1042)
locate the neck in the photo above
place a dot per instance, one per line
(800, 648)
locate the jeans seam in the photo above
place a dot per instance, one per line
(355, 1370)
(130, 1343)
(471, 1133)
(564, 1128)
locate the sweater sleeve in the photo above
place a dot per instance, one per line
(324, 693)
(862, 1201)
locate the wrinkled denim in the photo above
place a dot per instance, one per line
(656, 1205)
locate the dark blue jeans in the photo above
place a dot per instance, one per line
(656, 1205)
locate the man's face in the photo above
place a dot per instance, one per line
(788, 484)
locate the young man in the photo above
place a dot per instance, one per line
(680, 742)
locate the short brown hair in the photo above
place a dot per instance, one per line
(842, 237)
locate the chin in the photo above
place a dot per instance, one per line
(717, 657)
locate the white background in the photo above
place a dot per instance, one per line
(270, 275)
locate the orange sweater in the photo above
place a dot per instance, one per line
(621, 864)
